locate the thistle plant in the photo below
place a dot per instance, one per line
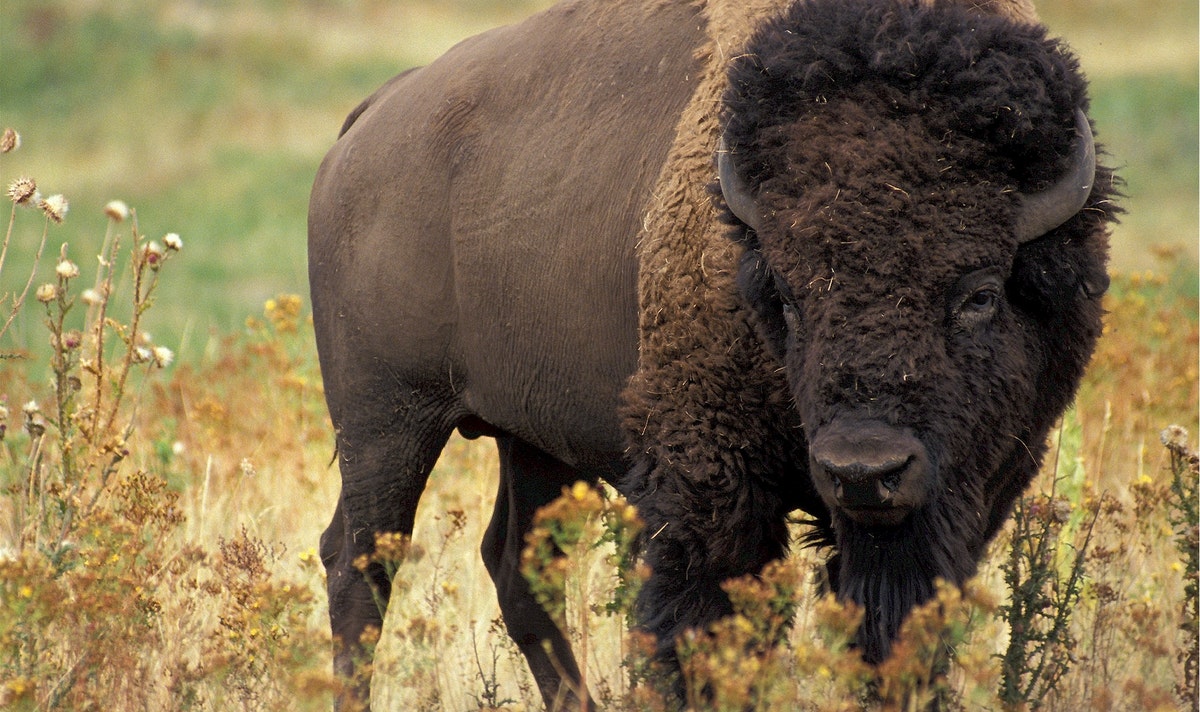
(1045, 572)
(77, 511)
(99, 589)
(93, 409)
(1185, 519)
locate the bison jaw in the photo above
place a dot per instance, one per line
(873, 472)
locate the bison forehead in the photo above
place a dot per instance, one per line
(1007, 84)
(882, 202)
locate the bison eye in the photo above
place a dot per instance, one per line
(983, 300)
(979, 296)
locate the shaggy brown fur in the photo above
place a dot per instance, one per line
(950, 109)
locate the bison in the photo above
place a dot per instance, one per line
(737, 258)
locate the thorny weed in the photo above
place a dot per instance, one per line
(578, 561)
(1044, 572)
(489, 698)
(430, 626)
(1185, 520)
(105, 602)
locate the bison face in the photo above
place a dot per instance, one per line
(883, 274)
(928, 344)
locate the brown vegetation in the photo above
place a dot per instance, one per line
(158, 520)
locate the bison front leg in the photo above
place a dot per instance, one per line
(698, 535)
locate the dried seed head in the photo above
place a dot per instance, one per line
(35, 424)
(22, 190)
(55, 207)
(163, 356)
(67, 269)
(91, 297)
(153, 254)
(173, 242)
(1175, 435)
(47, 293)
(116, 210)
(10, 140)
(142, 354)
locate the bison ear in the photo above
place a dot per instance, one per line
(1052, 275)
(757, 286)
(1094, 286)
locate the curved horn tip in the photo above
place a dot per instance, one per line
(1045, 210)
(734, 189)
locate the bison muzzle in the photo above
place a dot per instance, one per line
(875, 472)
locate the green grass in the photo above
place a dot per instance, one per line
(210, 119)
(1141, 58)
(1148, 124)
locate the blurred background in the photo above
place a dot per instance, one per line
(209, 117)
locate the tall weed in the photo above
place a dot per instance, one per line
(106, 602)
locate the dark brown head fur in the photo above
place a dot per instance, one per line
(886, 145)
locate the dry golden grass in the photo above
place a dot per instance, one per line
(162, 555)
(231, 561)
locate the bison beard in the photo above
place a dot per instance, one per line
(995, 103)
(889, 571)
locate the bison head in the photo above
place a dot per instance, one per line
(925, 232)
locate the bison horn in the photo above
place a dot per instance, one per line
(734, 189)
(1041, 212)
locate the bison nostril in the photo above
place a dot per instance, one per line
(892, 482)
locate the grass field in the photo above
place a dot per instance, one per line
(211, 117)
(171, 565)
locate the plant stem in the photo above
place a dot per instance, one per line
(37, 259)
